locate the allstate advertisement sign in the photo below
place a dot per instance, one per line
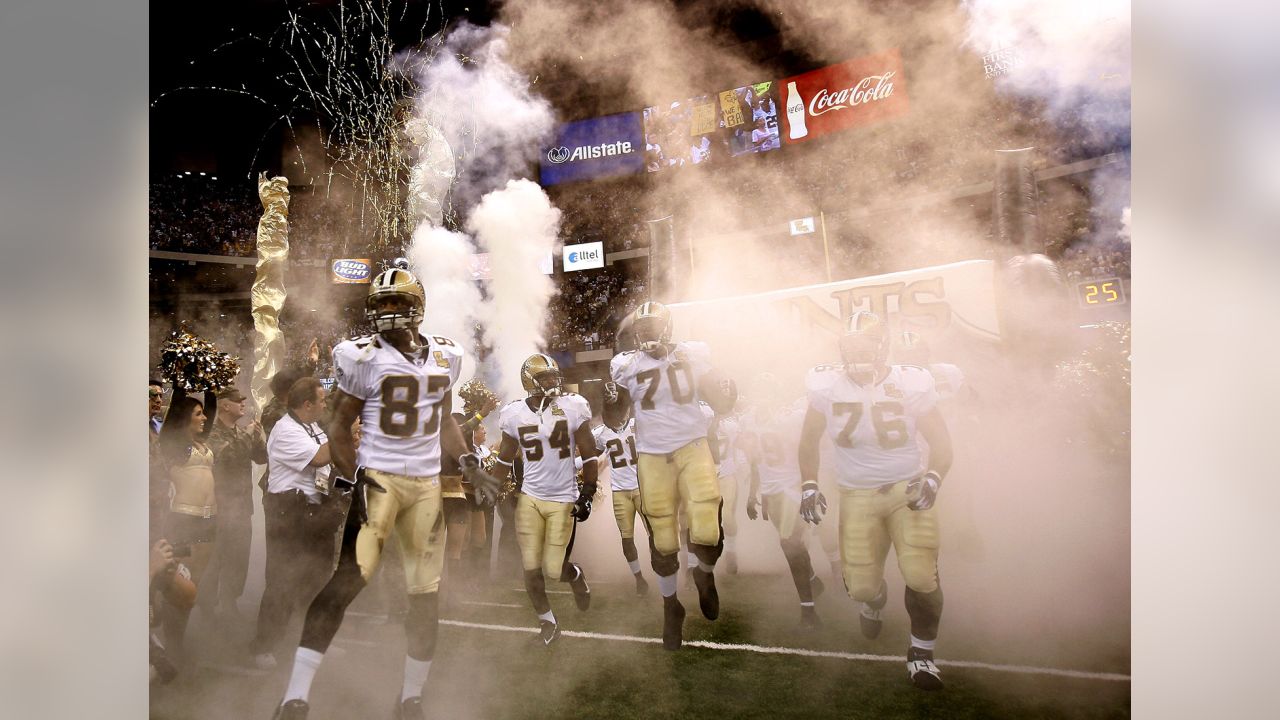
(594, 148)
(585, 256)
(351, 270)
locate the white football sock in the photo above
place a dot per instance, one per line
(667, 585)
(730, 544)
(635, 566)
(305, 664)
(548, 616)
(806, 604)
(923, 644)
(705, 567)
(691, 561)
(415, 677)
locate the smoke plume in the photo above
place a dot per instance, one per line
(517, 226)
(442, 261)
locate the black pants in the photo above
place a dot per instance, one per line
(302, 551)
(224, 580)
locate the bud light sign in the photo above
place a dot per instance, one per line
(351, 271)
(858, 92)
(595, 148)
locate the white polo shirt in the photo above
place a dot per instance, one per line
(290, 449)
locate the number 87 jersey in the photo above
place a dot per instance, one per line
(664, 394)
(873, 428)
(403, 400)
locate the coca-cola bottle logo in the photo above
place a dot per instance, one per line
(867, 90)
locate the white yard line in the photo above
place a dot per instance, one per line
(1019, 669)
(491, 604)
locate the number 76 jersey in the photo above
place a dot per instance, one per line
(403, 400)
(664, 395)
(873, 428)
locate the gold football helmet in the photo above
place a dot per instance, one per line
(864, 346)
(651, 326)
(540, 376)
(396, 301)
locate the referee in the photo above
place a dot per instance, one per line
(302, 520)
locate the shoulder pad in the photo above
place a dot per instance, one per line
(821, 376)
(445, 345)
(356, 350)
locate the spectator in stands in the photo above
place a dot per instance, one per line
(235, 450)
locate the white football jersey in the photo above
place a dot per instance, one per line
(873, 429)
(618, 448)
(664, 395)
(546, 444)
(723, 441)
(403, 400)
(777, 438)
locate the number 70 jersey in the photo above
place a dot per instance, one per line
(403, 400)
(664, 395)
(873, 428)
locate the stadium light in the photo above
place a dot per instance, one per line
(188, 172)
(202, 174)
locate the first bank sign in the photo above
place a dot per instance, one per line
(595, 148)
(585, 256)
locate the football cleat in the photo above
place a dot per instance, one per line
(642, 587)
(292, 710)
(581, 591)
(672, 623)
(869, 621)
(921, 670)
(410, 709)
(708, 598)
(550, 632)
(809, 619)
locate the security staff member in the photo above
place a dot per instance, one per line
(302, 519)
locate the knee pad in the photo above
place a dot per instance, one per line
(664, 536)
(663, 563)
(919, 570)
(862, 582)
(704, 522)
(421, 624)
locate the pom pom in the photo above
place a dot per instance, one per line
(477, 397)
(193, 363)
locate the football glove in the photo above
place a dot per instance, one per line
(813, 504)
(359, 490)
(752, 504)
(611, 392)
(582, 508)
(485, 486)
(923, 490)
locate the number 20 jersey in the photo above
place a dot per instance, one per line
(873, 429)
(403, 400)
(547, 444)
(664, 395)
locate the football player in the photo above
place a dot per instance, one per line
(947, 378)
(620, 445)
(661, 381)
(771, 434)
(872, 412)
(398, 383)
(548, 429)
(722, 434)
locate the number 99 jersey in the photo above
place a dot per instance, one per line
(546, 444)
(664, 395)
(403, 400)
(873, 429)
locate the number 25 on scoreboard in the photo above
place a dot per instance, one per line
(1109, 291)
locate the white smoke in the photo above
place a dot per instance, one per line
(517, 226)
(442, 261)
(484, 108)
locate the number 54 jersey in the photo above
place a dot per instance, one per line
(873, 428)
(546, 444)
(664, 395)
(403, 400)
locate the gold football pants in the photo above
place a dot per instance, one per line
(784, 513)
(871, 520)
(544, 530)
(625, 506)
(411, 505)
(729, 493)
(684, 479)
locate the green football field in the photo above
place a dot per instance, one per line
(754, 662)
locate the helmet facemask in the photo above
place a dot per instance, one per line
(388, 312)
(547, 383)
(864, 354)
(651, 334)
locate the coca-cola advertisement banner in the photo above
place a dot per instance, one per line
(595, 148)
(857, 92)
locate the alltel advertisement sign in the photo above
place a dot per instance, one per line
(858, 92)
